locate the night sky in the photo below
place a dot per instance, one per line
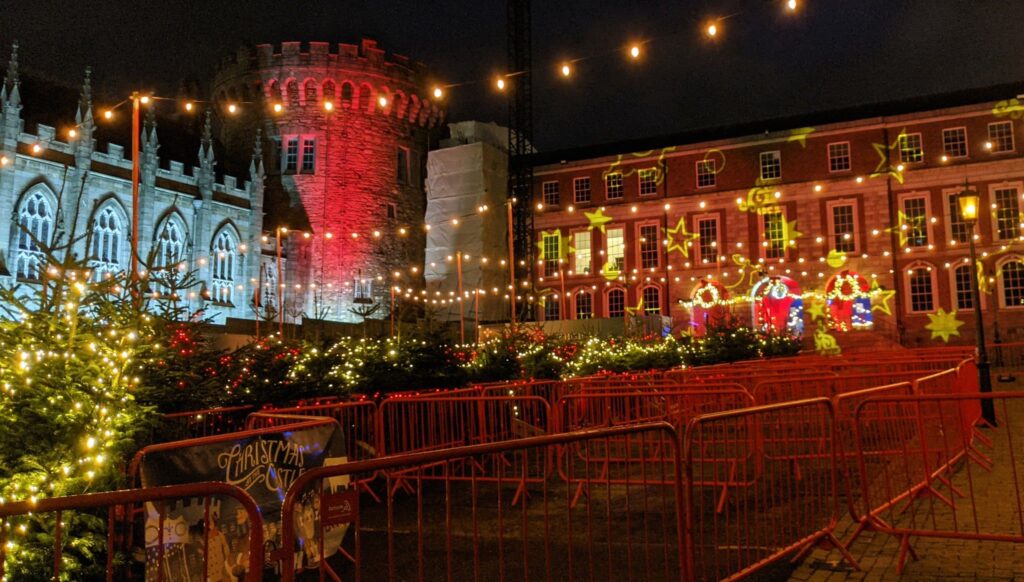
(766, 62)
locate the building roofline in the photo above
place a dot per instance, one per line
(933, 102)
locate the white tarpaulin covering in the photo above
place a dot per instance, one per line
(462, 178)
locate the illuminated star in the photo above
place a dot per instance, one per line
(816, 311)
(790, 233)
(638, 310)
(943, 325)
(904, 225)
(609, 271)
(564, 246)
(679, 239)
(884, 166)
(883, 297)
(800, 136)
(598, 219)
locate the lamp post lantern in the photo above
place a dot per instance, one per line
(968, 202)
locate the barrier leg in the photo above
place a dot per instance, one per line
(905, 550)
(831, 541)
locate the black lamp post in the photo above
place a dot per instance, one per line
(969, 203)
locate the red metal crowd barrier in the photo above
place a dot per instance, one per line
(916, 478)
(779, 463)
(201, 423)
(117, 504)
(467, 529)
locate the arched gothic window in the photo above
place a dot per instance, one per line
(35, 226)
(168, 252)
(310, 92)
(225, 267)
(108, 234)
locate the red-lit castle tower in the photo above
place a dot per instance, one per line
(346, 132)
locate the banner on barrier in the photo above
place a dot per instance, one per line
(264, 465)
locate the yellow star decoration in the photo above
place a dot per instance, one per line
(943, 324)
(836, 259)
(816, 311)
(882, 298)
(800, 136)
(610, 272)
(679, 239)
(598, 219)
(638, 310)
(790, 233)
(885, 166)
(904, 225)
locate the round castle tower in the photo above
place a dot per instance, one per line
(347, 133)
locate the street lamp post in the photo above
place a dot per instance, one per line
(969, 203)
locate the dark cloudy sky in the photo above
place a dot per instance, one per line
(767, 63)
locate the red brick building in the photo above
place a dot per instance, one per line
(850, 213)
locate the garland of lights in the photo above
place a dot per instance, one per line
(841, 281)
(712, 291)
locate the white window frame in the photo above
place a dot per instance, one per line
(830, 216)
(287, 167)
(762, 249)
(713, 173)
(306, 140)
(108, 245)
(902, 198)
(1000, 290)
(908, 299)
(1019, 187)
(661, 295)
(608, 302)
(952, 284)
(967, 147)
(608, 246)
(575, 296)
(950, 195)
(651, 175)
(899, 147)
(620, 188)
(225, 265)
(638, 226)
(576, 190)
(576, 253)
(1013, 138)
(849, 157)
(544, 193)
(698, 257)
(777, 155)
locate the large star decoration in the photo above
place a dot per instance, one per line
(679, 239)
(885, 166)
(904, 225)
(816, 311)
(598, 219)
(790, 233)
(882, 298)
(800, 136)
(638, 310)
(943, 324)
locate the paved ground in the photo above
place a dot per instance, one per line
(947, 559)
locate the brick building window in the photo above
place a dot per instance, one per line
(911, 148)
(291, 155)
(550, 245)
(583, 259)
(648, 181)
(915, 227)
(584, 305)
(402, 166)
(549, 193)
(962, 287)
(706, 173)
(1012, 281)
(613, 186)
(552, 308)
(616, 303)
(958, 229)
(1007, 213)
(649, 245)
(771, 165)
(615, 244)
(1000, 135)
(581, 190)
(308, 155)
(954, 142)
(652, 300)
(707, 239)
(773, 231)
(842, 225)
(922, 290)
(392, 210)
(839, 156)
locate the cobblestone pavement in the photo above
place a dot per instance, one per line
(946, 559)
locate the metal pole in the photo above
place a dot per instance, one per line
(511, 263)
(280, 289)
(561, 299)
(259, 284)
(135, 188)
(984, 377)
(462, 321)
(476, 313)
(392, 310)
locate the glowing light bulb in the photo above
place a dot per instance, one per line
(944, 158)
(4, 161)
(634, 51)
(791, 4)
(712, 30)
(108, 114)
(988, 145)
(566, 70)
(438, 92)
(232, 108)
(189, 106)
(278, 108)
(500, 84)
(383, 100)
(328, 106)
(144, 100)
(72, 133)
(36, 148)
